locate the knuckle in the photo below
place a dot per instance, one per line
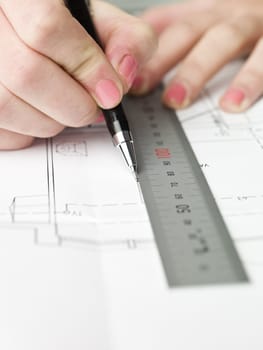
(243, 25)
(41, 27)
(144, 41)
(25, 71)
(232, 31)
(196, 69)
(90, 62)
(149, 35)
(188, 29)
(248, 25)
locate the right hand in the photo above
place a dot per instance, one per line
(52, 74)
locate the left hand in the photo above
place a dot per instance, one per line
(203, 35)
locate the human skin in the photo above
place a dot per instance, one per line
(201, 36)
(52, 74)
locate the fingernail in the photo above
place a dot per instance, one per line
(176, 95)
(234, 99)
(128, 69)
(107, 93)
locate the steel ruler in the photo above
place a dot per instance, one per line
(192, 238)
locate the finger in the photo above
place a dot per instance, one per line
(41, 83)
(128, 41)
(19, 117)
(247, 87)
(48, 27)
(11, 141)
(174, 43)
(163, 16)
(218, 46)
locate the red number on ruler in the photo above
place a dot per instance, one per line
(162, 153)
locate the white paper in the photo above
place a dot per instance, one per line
(78, 263)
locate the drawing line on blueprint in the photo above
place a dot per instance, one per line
(213, 128)
(224, 128)
(43, 207)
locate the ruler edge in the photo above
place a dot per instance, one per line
(225, 236)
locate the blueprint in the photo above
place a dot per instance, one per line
(63, 192)
(78, 263)
(230, 151)
(79, 266)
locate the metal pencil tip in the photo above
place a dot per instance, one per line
(128, 152)
(134, 173)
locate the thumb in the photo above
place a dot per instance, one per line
(128, 41)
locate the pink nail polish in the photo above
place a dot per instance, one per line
(128, 68)
(107, 93)
(176, 94)
(235, 100)
(234, 97)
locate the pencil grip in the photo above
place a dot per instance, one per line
(81, 11)
(115, 119)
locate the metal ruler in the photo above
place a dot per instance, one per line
(192, 238)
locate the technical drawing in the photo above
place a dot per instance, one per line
(71, 148)
(28, 209)
(58, 210)
(53, 220)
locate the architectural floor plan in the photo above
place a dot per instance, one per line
(60, 204)
(78, 263)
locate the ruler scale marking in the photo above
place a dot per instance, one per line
(183, 213)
